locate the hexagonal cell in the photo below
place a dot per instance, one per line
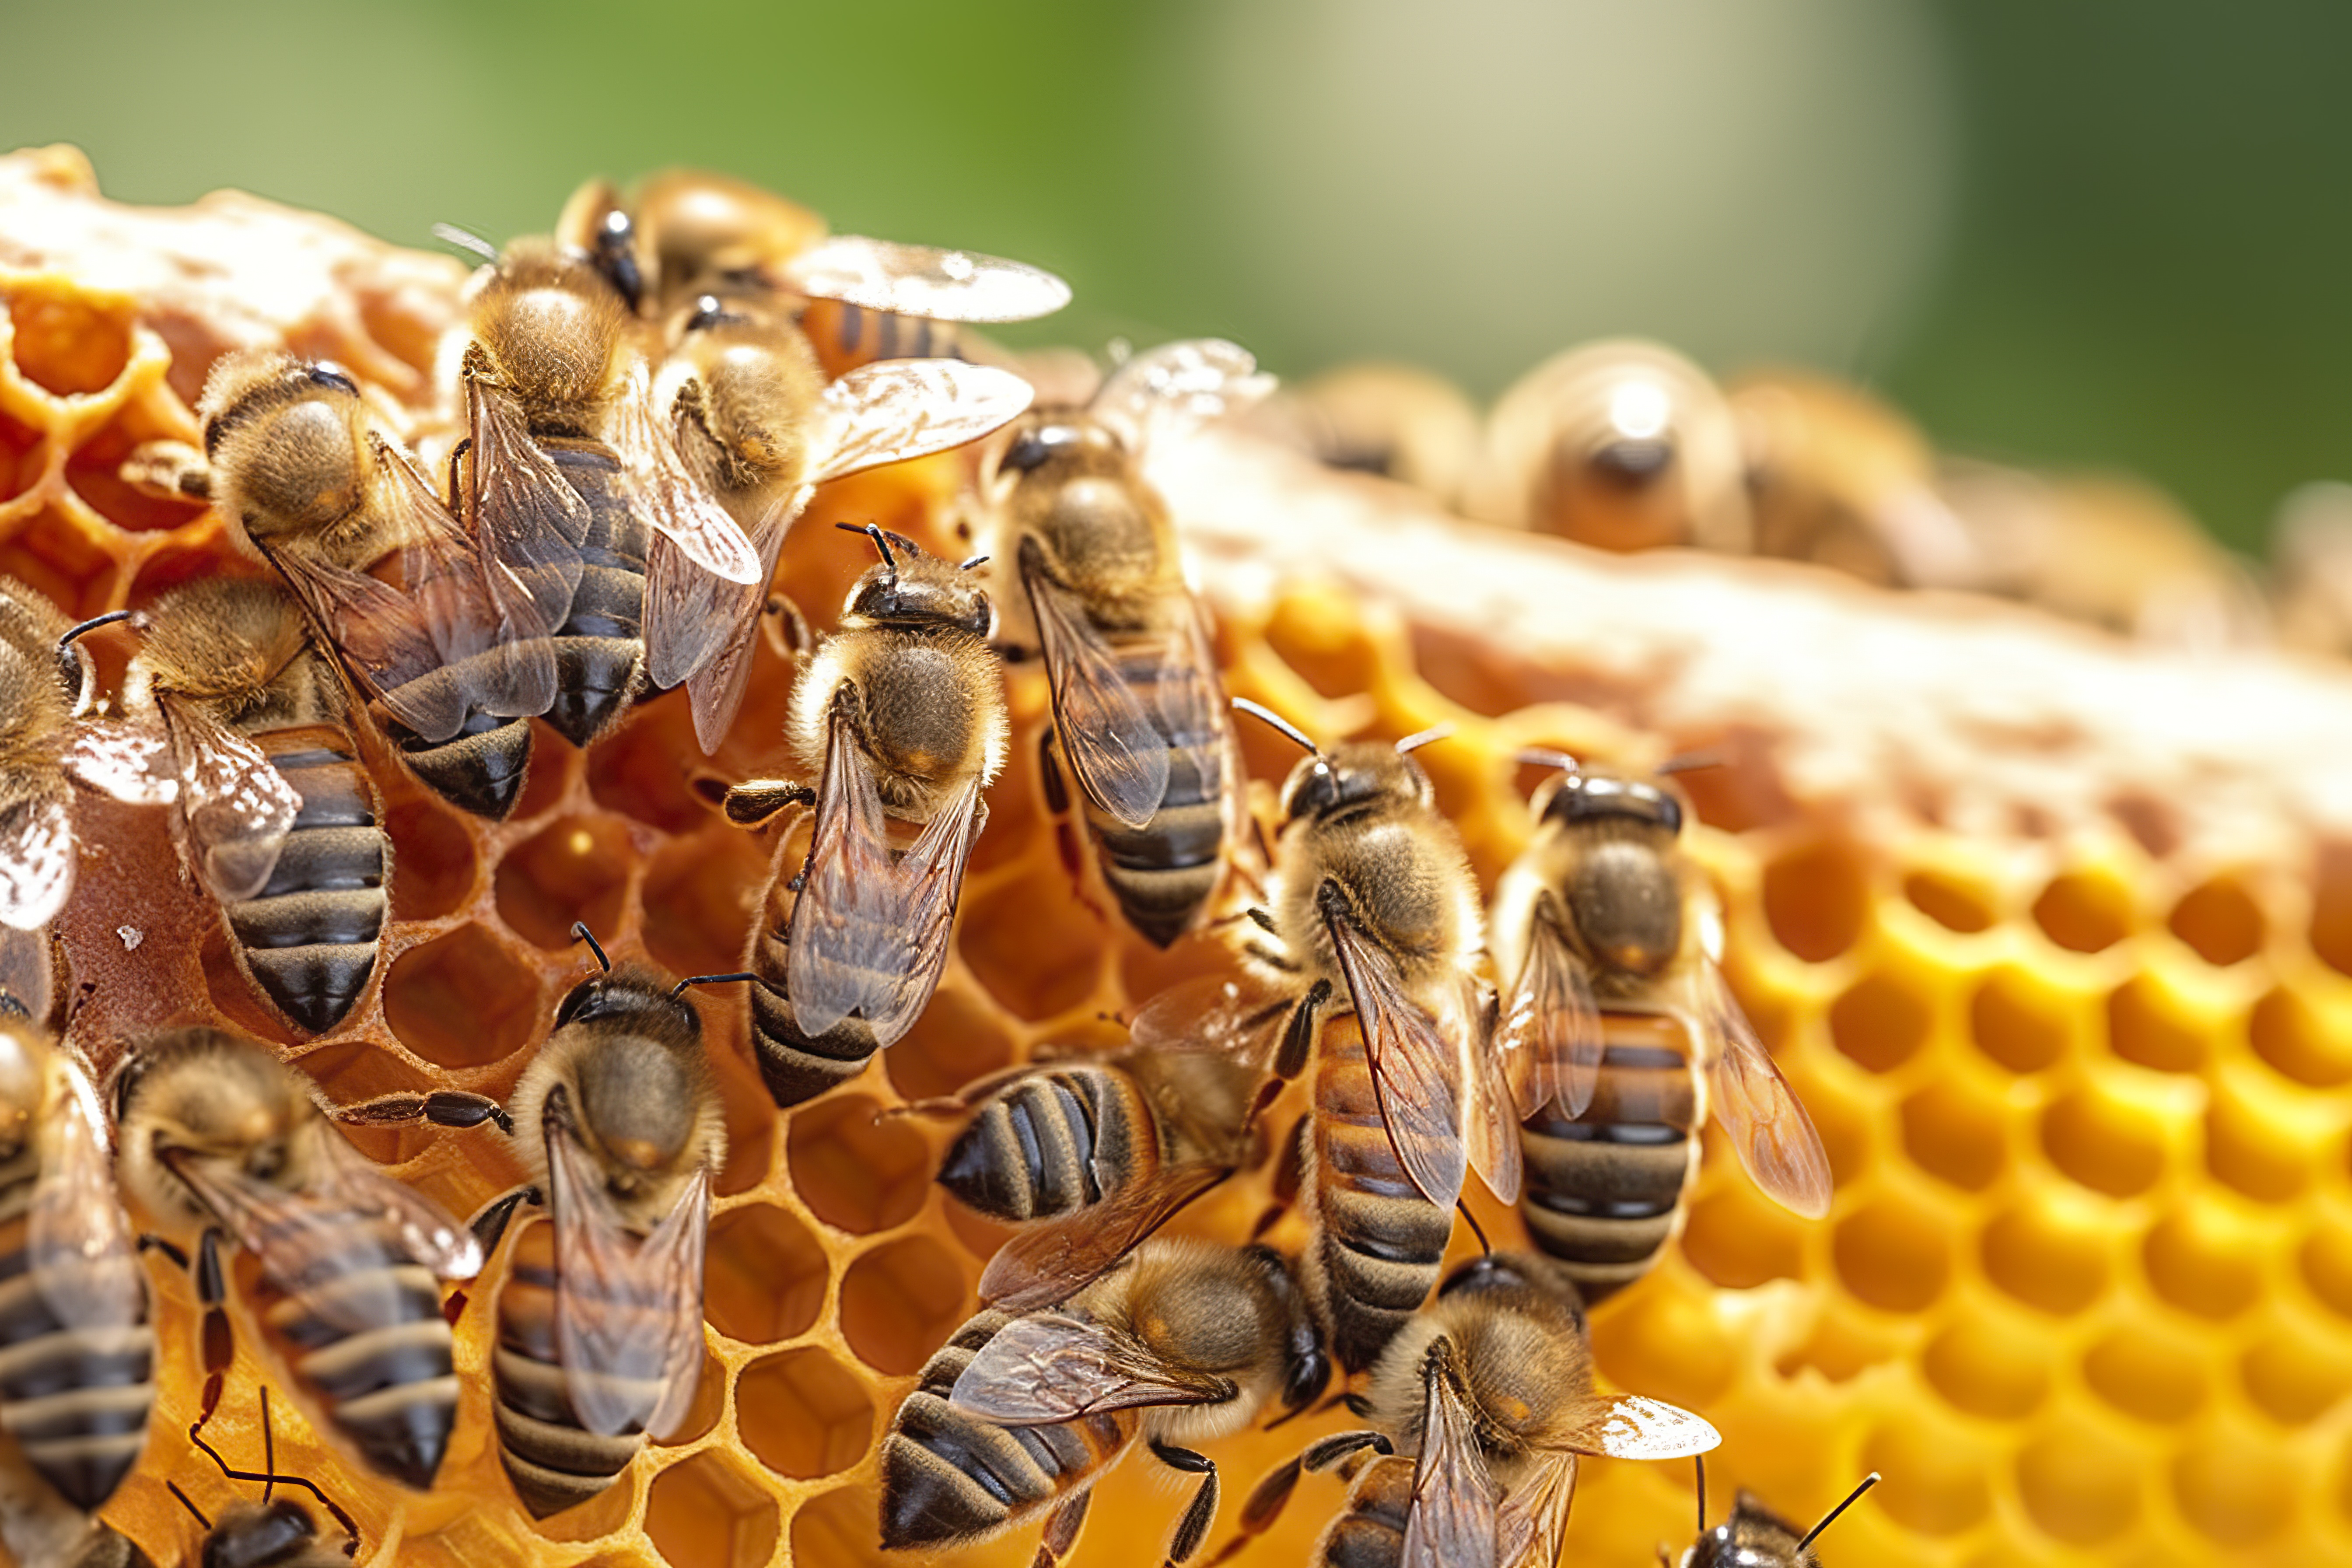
(1880, 1022)
(900, 1301)
(351, 1070)
(51, 552)
(855, 1169)
(2289, 1034)
(575, 868)
(432, 864)
(1740, 1238)
(1986, 1363)
(802, 1413)
(20, 458)
(2325, 1259)
(2079, 1484)
(462, 1000)
(2260, 1149)
(2231, 1491)
(2017, 1020)
(2147, 1025)
(2220, 920)
(1892, 1253)
(1318, 630)
(2047, 1258)
(1955, 903)
(644, 770)
(956, 1040)
(1674, 1344)
(705, 1512)
(2147, 1370)
(766, 1275)
(1815, 898)
(702, 897)
(2294, 1375)
(1038, 950)
(94, 472)
(1945, 1469)
(1842, 1345)
(2103, 1142)
(66, 344)
(1954, 1130)
(2201, 1259)
(837, 1529)
(2084, 911)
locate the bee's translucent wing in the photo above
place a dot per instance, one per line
(1051, 1367)
(699, 627)
(1628, 1426)
(895, 409)
(672, 501)
(235, 808)
(424, 1232)
(1452, 1520)
(37, 856)
(1178, 386)
(923, 280)
(1118, 754)
(28, 972)
(1414, 1070)
(1766, 1122)
(526, 520)
(1054, 1259)
(1548, 1036)
(131, 763)
(1534, 1516)
(79, 1246)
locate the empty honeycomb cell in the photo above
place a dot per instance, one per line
(765, 1277)
(432, 860)
(958, 1038)
(2294, 1037)
(2293, 1375)
(2079, 1484)
(2265, 1143)
(94, 473)
(1038, 950)
(1881, 1021)
(2147, 1370)
(1984, 1361)
(2147, 1024)
(2325, 1259)
(1740, 1238)
(2105, 1143)
(2220, 920)
(705, 1512)
(900, 1301)
(1940, 1469)
(1815, 898)
(838, 1530)
(1955, 1131)
(20, 457)
(2048, 1256)
(2331, 905)
(700, 898)
(1893, 1254)
(857, 1169)
(2231, 1490)
(1318, 630)
(802, 1413)
(1842, 1345)
(575, 868)
(68, 344)
(1684, 1351)
(462, 1000)
(2020, 1020)
(1952, 902)
(2203, 1259)
(703, 1412)
(2084, 911)
(645, 769)
(51, 553)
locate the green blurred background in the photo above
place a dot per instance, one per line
(2100, 233)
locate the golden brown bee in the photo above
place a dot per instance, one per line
(900, 714)
(1392, 420)
(1618, 1034)
(1138, 712)
(277, 816)
(1489, 1393)
(1756, 1537)
(216, 1136)
(76, 1350)
(1620, 445)
(1019, 1416)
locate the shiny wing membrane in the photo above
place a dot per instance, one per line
(1051, 1367)
(131, 763)
(1179, 387)
(1548, 1036)
(37, 856)
(527, 522)
(27, 977)
(1118, 754)
(1414, 1070)
(1054, 1259)
(1628, 1426)
(1452, 1521)
(922, 281)
(235, 808)
(672, 503)
(1767, 1123)
(1534, 1516)
(895, 409)
(78, 1244)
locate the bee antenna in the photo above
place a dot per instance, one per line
(873, 530)
(268, 1450)
(1484, 1246)
(1266, 715)
(1544, 757)
(1699, 1466)
(184, 1503)
(679, 990)
(1829, 1518)
(79, 629)
(975, 560)
(1691, 762)
(1421, 738)
(467, 240)
(580, 932)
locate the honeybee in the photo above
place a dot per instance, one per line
(1391, 420)
(1619, 1033)
(1490, 1393)
(901, 715)
(217, 1136)
(1018, 1416)
(760, 429)
(1756, 1537)
(1138, 712)
(77, 1350)
(275, 1532)
(277, 816)
(600, 1317)
(1621, 445)
(453, 661)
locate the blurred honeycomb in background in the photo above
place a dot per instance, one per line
(2054, 933)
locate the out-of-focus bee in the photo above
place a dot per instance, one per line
(1601, 921)
(600, 1317)
(1392, 420)
(759, 428)
(216, 1136)
(2311, 568)
(1018, 1416)
(1489, 1393)
(277, 816)
(76, 1350)
(1138, 712)
(901, 715)
(1621, 445)
(1756, 1537)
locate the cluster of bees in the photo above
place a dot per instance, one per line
(647, 401)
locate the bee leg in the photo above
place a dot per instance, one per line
(1289, 1171)
(490, 1224)
(1201, 1511)
(1326, 1452)
(442, 1107)
(754, 801)
(791, 633)
(1066, 829)
(178, 1259)
(1260, 1509)
(1062, 1527)
(1298, 1035)
(219, 1345)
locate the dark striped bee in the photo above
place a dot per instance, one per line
(1478, 1412)
(1756, 1537)
(275, 1532)
(901, 715)
(1019, 1416)
(277, 816)
(77, 1350)
(217, 1136)
(1619, 1035)
(1138, 713)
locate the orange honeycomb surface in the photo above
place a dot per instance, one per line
(2053, 935)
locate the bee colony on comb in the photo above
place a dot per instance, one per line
(2050, 932)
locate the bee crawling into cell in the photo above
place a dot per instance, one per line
(1754, 1536)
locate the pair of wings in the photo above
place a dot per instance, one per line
(869, 929)
(235, 808)
(78, 1244)
(1549, 1041)
(36, 836)
(700, 623)
(1053, 1366)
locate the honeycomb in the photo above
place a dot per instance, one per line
(2053, 934)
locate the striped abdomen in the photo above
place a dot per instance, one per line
(480, 769)
(1368, 1529)
(74, 1396)
(1377, 1242)
(552, 1460)
(847, 336)
(796, 1066)
(598, 649)
(949, 1476)
(1163, 873)
(362, 1335)
(308, 939)
(1605, 1193)
(1037, 1146)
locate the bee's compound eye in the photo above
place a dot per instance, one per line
(1033, 448)
(333, 378)
(1314, 789)
(1670, 812)
(579, 996)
